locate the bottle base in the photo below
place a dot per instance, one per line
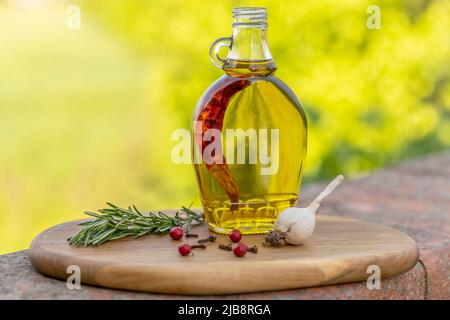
(245, 228)
(255, 216)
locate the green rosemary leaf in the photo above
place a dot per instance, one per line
(96, 223)
(164, 229)
(137, 211)
(142, 223)
(86, 240)
(85, 223)
(192, 214)
(122, 222)
(140, 234)
(111, 205)
(188, 211)
(102, 237)
(92, 214)
(162, 214)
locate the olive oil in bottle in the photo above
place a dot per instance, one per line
(250, 134)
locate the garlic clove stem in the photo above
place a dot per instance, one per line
(315, 204)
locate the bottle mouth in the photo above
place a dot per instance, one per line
(250, 17)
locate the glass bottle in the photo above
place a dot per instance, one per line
(250, 134)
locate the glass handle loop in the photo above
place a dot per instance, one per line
(215, 48)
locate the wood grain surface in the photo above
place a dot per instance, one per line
(339, 251)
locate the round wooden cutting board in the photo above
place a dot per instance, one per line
(339, 251)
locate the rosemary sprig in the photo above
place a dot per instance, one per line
(115, 223)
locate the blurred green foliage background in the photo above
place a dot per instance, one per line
(86, 115)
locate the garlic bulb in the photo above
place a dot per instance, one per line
(295, 225)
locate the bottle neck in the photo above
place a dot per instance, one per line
(249, 54)
(249, 44)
